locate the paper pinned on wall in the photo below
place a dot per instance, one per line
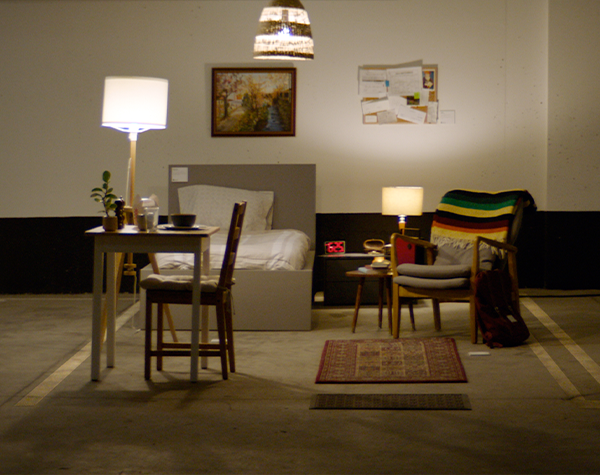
(405, 81)
(447, 117)
(396, 101)
(386, 117)
(409, 114)
(371, 83)
(372, 89)
(367, 74)
(432, 112)
(372, 107)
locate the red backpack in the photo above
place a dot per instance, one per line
(500, 323)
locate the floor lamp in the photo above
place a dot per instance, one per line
(134, 105)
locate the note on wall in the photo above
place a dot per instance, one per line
(399, 94)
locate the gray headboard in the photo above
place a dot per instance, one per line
(294, 186)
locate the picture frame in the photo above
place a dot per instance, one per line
(253, 102)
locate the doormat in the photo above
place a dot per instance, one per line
(405, 360)
(391, 401)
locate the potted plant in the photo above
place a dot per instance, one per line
(105, 196)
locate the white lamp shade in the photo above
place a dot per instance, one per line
(402, 201)
(284, 32)
(135, 104)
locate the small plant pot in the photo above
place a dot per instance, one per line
(110, 223)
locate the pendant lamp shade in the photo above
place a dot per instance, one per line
(284, 32)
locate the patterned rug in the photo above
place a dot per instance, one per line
(406, 360)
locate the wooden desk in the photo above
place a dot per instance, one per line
(129, 239)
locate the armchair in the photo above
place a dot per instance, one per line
(471, 231)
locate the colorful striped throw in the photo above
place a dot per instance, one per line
(463, 215)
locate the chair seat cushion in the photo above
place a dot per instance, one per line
(179, 282)
(435, 271)
(433, 284)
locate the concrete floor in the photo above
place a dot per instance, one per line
(535, 408)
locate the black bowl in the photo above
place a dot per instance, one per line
(183, 220)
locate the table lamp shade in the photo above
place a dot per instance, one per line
(135, 104)
(402, 201)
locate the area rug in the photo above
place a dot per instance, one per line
(405, 360)
(391, 401)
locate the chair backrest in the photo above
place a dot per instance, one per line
(233, 239)
(462, 215)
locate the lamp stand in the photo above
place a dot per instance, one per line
(131, 170)
(401, 223)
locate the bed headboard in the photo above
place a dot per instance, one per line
(294, 186)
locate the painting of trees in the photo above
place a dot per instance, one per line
(248, 101)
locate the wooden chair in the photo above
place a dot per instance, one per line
(471, 231)
(215, 290)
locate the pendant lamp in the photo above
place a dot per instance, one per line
(284, 32)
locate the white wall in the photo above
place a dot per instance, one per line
(573, 117)
(493, 71)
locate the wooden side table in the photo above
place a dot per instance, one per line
(385, 283)
(385, 287)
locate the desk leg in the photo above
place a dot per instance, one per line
(97, 313)
(111, 307)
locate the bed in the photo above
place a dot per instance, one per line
(273, 289)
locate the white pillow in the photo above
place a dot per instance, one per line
(213, 206)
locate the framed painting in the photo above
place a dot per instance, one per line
(253, 102)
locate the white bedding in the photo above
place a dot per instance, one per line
(280, 249)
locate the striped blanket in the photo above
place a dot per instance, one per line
(463, 215)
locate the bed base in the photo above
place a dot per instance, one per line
(263, 300)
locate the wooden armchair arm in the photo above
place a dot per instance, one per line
(500, 245)
(509, 248)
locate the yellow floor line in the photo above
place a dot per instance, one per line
(561, 378)
(53, 380)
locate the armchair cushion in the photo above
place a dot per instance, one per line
(434, 284)
(181, 283)
(434, 272)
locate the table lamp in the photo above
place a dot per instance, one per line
(134, 105)
(402, 201)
